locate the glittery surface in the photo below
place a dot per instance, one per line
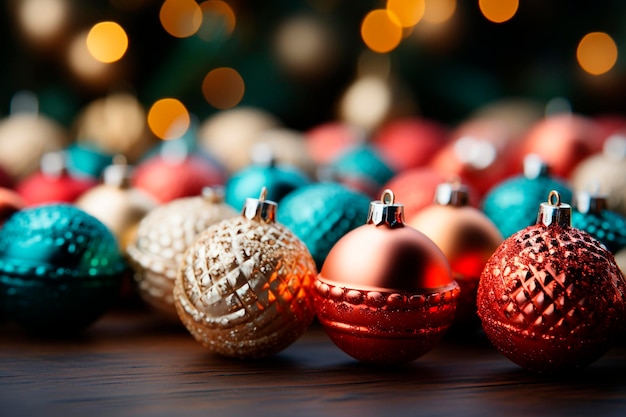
(552, 298)
(244, 288)
(162, 237)
(607, 226)
(320, 214)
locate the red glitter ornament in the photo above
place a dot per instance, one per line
(551, 298)
(385, 293)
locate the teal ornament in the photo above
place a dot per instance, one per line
(362, 168)
(320, 214)
(591, 215)
(512, 204)
(87, 160)
(60, 269)
(279, 179)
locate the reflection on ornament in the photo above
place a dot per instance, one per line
(162, 237)
(552, 298)
(385, 293)
(116, 204)
(25, 138)
(512, 204)
(60, 269)
(465, 236)
(244, 288)
(230, 134)
(115, 124)
(321, 213)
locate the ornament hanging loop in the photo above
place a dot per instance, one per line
(553, 212)
(386, 211)
(260, 209)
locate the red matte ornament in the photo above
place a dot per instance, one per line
(385, 293)
(552, 298)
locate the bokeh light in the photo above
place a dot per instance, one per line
(438, 11)
(168, 119)
(381, 31)
(82, 63)
(43, 20)
(408, 12)
(107, 42)
(180, 18)
(498, 11)
(218, 20)
(223, 88)
(596, 53)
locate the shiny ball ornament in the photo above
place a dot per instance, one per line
(53, 183)
(465, 236)
(552, 298)
(60, 269)
(25, 138)
(591, 215)
(117, 204)
(361, 168)
(321, 213)
(409, 142)
(385, 294)
(162, 237)
(244, 288)
(279, 179)
(168, 177)
(512, 204)
(327, 141)
(606, 169)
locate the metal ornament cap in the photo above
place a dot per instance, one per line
(260, 209)
(386, 212)
(553, 212)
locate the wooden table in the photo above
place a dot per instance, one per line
(130, 363)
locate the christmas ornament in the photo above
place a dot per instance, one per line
(551, 298)
(176, 173)
(53, 183)
(562, 141)
(606, 169)
(465, 236)
(409, 142)
(360, 168)
(116, 204)
(279, 179)
(86, 160)
(244, 288)
(511, 204)
(385, 293)
(60, 269)
(24, 139)
(162, 237)
(287, 147)
(10, 202)
(326, 142)
(591, 215)
(321, 213)
(115, 124)
(230, 134)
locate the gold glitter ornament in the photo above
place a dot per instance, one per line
(244, 288)
(162, 237)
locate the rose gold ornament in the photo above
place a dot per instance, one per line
(162, 237)
(466, 236)
(552, 298)
(244, 288)
(116, 204)
(385, 293)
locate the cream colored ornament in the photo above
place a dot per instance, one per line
(162, 237)
(244, 288)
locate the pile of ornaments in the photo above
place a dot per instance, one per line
(246, 231)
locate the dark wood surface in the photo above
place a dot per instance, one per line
(131, 363)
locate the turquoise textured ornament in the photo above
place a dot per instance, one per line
(60, 269)
(320, 214)
(591, 215)
(512, 204)
(279, 179)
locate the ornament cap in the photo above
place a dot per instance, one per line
(54, 164)
(214, 195)
(553, 212)
(118, 174)
(386, 212)
(591, 202)
(260, 209)
(452, 193)
(535, 167)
